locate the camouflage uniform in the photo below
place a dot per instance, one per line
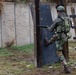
(60, 37)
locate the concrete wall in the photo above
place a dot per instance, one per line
(16, 23)
(8, 28)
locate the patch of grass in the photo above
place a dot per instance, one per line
(54, 65)
(72, 61)
(72, 43)
(26, 48)
(57, 65)
(5, 52)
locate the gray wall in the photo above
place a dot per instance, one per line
(16, 23)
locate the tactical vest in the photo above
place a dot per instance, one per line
(63, 25)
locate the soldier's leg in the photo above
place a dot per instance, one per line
(48, 42)
(64, 62)
(61, 57)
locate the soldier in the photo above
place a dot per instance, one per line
(61, 26)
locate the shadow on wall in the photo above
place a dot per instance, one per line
(9, 44)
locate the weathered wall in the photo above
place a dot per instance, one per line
(24, 25)
(8, 28)
(16, 23)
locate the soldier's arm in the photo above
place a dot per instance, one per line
(52, 27)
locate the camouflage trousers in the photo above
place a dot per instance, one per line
(61, 56)
(59, 47)
(59, 40)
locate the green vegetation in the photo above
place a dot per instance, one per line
(16, 60)
(19, 60)
(72, 43)
(26, 48)
(5, 52)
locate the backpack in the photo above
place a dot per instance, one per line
(66, 24)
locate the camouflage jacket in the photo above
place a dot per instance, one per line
(58, 22)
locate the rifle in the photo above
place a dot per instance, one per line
(42, 26)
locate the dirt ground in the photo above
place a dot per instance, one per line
(18, 62)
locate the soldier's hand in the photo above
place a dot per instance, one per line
(48, 27)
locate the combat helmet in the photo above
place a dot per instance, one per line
(60, 8)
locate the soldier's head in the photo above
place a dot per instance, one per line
(60, 9)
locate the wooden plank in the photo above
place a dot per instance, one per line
(38, 34)
(74, 27)
(74, 19)
(73, 16)
(66, 51)
(74, 38)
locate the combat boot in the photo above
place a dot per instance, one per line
(67, 69)
(46, 42)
